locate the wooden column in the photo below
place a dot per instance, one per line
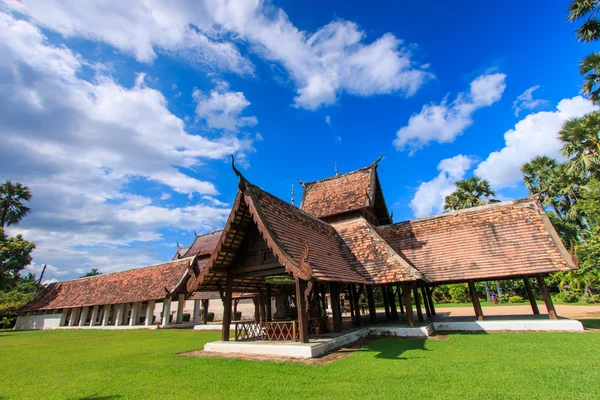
(430, 298)
(335, 307)
(351, 303)
(256, 309)
(263, 307)
(475, 300)
(205, 311)
(235, 304)
(386, 304)
(417, 301)
(227, 308)
(410, 317)
(399, 293)
(426, 301)
(356, 304)
(546, 297)
(268, 304)
(372, 309)
(392, 302)
(301, 306)
(531, 297)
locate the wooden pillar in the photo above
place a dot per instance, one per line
(180, 305)
(417, 301)
(356, 304)
(386, 305)
(149, 313)
(351, 301)
(410, 317)
(426, 302)
(205, 311)
(531, 297)
(227, 308)
(399, 293)
(196, 316)
(392, 302)
(372, 309)
(268, 311)
(546, 297)
(301, 306)
(335, 307)
(263, 307)
(476, 303)
(430, 298)
(323, 299)
(256, 309)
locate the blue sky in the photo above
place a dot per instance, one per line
(121, 116)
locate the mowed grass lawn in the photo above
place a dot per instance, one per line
(143, 365)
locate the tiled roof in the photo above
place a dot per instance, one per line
(291, 229)
(381, 262)
(141, 284)
(180, 252)
(341, 193)
(501, 240)
(204, 244)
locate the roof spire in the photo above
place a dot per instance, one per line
(336, 169)
(242, 182)
(377, 161)
(293, 203)
(178, 244)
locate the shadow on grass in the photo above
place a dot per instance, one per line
(393, 348)
(590, 323)
(96, 397)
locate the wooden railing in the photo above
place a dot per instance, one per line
(282, 330)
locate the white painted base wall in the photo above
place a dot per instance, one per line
(46, 321)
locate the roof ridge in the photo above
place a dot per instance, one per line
(304, 184)
(465, 211)
(125, 270)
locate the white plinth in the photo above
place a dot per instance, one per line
(561, 325)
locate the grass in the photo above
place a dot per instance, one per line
(142, 364)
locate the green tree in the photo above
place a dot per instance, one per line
(589, 31)
(92, 272)
(12, 203)
(581, 144)
(15, 254)
(470, 192)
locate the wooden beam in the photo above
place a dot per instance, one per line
(205, 311)
(426, 302)
(399, 293)
(546, 296)
(475, 300)
(410, 317)
(417, 301)
(372, 309)
(386, 305)
(264, 272)
(335, 307)
(430, 298)
(301, 306)
(227, 309)
(356, 305)
(392, 302)
(268, 301)
(531, 297)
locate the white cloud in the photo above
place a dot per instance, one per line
(525, 101)
(324, 64)
(430, 196)
(445, 121)
(328, 120)
(77, 144)
(222, 108)
(534, 135)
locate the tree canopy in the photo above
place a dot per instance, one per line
(12, 203)
(471, 192)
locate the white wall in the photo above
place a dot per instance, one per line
(46, 321)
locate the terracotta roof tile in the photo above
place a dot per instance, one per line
(204, 244)
(140, 284)
(507, 239)
(380, 261)
(339, 194)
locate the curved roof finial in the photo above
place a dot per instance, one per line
(300, 182)
(242, 182)
(377, 161)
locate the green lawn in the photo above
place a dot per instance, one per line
(142, 365)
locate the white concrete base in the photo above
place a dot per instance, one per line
(561, 325)
(108, 327)
(401, 331)
(209, 327)
(45, 321)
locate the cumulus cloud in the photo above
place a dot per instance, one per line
(336, 58)
(78, 144)
(534, 135)
(445, 121)
(430, 196)
(221, 109)
(525, 101)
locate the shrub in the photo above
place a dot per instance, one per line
(186, 317)
(458, 293)
(237, 316)
(515, 299)
(568, 297)
(505, 298)
(590, 299)
(211, 316)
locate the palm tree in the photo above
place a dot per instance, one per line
(12, 199)
(470, 192)
(581, 143)
(92, 272)
(588, 32)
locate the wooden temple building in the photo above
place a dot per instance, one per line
(297, 262)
